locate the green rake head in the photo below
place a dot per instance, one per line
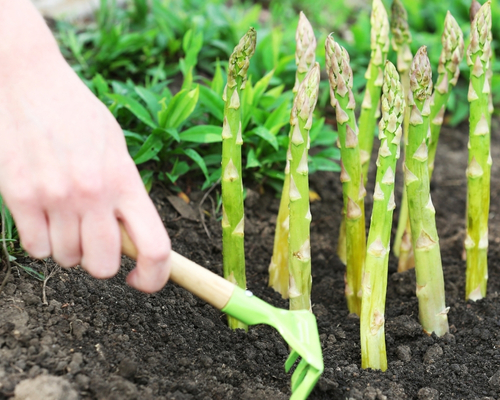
(298, 328)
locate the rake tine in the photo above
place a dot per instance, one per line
(298, 374)
(291, 360)
(307, 385)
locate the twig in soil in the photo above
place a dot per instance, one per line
(202, 214)
(48, 275)
(5, 251)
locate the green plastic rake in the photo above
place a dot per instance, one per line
(298, 328)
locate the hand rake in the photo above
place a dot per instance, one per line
(298, 328)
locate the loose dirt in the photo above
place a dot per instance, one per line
(102, 340)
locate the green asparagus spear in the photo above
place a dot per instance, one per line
(300, 214)
(425, 241)
(479, 168)
(278, 268)
(373, 354)
(448, 69)
(374, 76)
(340, 77)
(370, 106)
(401, 39)
(474, 8)
(232, 187)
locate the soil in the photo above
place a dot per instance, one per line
(102, 340)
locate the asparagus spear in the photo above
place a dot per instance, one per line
(373, 354)
(232, 186)
(374, 75)
(425, 241)
(278, 268)
(340, 77)
(479, 168)
(370, 106)
(448, 69)
(474, 8)
(401, 39)
(300, 214)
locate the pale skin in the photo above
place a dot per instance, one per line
(65, 172)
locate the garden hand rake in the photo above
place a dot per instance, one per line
(298, 328)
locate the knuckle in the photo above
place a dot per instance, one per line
(55, 193)
(23, 197)
(158, 254)
(91, 187)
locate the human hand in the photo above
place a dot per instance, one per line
(65, 172)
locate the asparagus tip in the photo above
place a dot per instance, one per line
(399, 23)
(306, 44)
(421, 75)
(474, 8)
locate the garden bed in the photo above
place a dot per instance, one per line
(111, 342)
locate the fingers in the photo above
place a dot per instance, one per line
(100, 239)
(64, 230)
(31, 223)
(146, 230)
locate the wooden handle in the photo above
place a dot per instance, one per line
(193, 277)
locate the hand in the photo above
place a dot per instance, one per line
(65, 172)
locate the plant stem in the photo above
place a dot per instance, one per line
(449, 71)
(340, 77)
(233, 218)
(401, 40)
(425, 241)
(374, 76)
(278, 268)
(479, 168)
(373, 353)
(370, 106)
(300, 213)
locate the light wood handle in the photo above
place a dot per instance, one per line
(193, 277)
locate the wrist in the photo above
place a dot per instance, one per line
(25, 39)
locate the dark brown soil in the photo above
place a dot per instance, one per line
(107, 341)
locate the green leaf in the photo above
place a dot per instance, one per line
(202, 134)
(278, 118)
(134, 107)
(324, 164)
(149, 149)
(179, 169)
(329, 152)
(252, 160)
(261, 86)
(265, 134)
(30, 271)
(179, 108)
(133, 139)
(193, 155)
(9, 221)
(275, 174)
(147, 178)
(214, 177)
(212, 101)
(166, 134)
(100, 85)
(151, 99)
(217, 84)
(324, 136)
(247, 103)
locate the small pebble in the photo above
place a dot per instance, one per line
(428, 394)
(404, 353)
(432, 354)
